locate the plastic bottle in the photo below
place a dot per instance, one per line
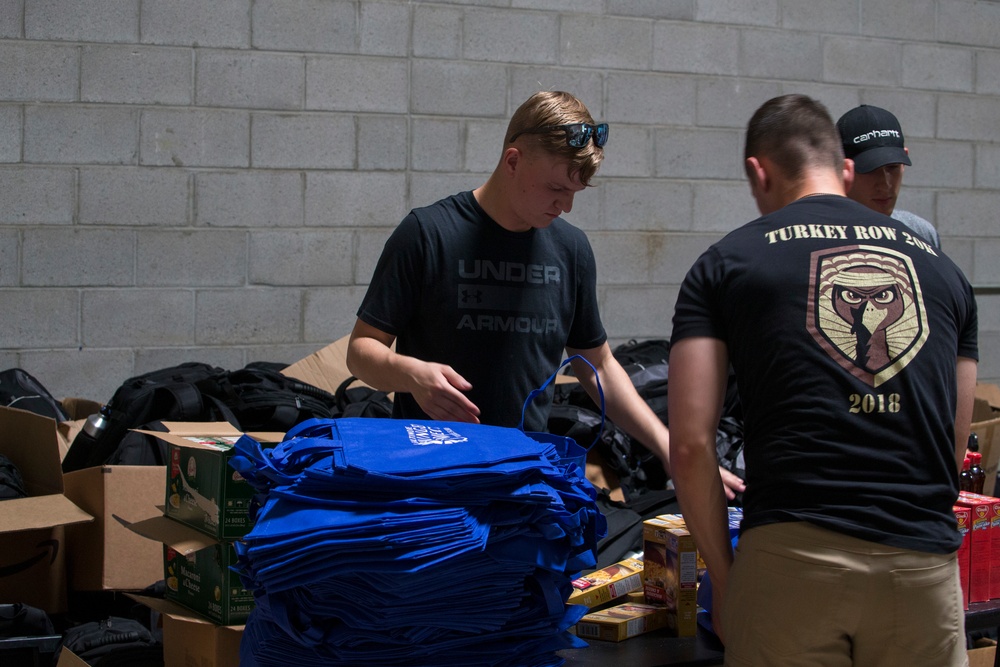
(976, 472)
(973, 445)
(965, 477)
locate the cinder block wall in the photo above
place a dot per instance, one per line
(185, 180)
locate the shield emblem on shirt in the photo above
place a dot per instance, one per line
(866, 310)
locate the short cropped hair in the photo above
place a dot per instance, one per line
(796, 133)
(547, 108)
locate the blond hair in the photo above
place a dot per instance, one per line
(548, 108)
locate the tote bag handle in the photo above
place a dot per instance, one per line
(535, 392)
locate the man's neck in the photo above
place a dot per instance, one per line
(493, 200)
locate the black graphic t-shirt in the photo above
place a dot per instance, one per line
(843, 327)
(499, 307)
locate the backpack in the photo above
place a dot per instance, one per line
(11, 482)
(255, 398)
(362, 401)
(19, 389)
(115, 640)
(645, 352)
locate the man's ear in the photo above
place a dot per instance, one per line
(848, 174)
(757, 174)
(511, 159)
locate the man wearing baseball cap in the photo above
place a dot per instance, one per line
(873, 139)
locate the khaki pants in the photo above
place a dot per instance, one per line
(803, 596)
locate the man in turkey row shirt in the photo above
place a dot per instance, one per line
(482, 292)
(854, 345)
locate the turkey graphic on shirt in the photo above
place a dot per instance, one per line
(866, 310)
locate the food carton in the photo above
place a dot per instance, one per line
(963, 516)
(202, 490)
(981, 544)
(197, 571)
(671, 572)
(622, 621)
(607, 584)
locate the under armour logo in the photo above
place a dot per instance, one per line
(468, 296)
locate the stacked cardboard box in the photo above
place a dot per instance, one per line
(206, 509)
(33, 561)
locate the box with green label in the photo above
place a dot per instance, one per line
(203, 491)
(197, 570)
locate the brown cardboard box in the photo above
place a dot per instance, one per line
(986, 425)
(982, 657)
(69, 659)
(327, 368)
(197, 571)
(105, 555)
(192, 641)
(33, 558)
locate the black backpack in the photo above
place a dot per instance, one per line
(113, 641)
(254, 398)
(19, 389)
(362, 401)
(11, 482)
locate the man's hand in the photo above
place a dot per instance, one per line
(438, 391)
(731, 483)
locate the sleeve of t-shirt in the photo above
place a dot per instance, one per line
(696, 313)
(587, 331)
(968, 335)
(395, 285)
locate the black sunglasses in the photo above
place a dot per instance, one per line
(577, 134)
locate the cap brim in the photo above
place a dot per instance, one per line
(873, 158)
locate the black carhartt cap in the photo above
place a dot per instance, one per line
(872, 138)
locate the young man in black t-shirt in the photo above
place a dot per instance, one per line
(854, 344)
(484, 291)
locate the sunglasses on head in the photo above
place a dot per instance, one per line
(577, 134)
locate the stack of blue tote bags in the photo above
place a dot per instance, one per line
(424, 543)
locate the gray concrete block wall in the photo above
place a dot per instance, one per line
(182, 180)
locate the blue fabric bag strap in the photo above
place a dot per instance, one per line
(535, 393)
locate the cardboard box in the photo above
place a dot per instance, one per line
(602, 586)
(981, 544)
(33, 557)
(986, 425)
(69, 659)
(623, 621)
(963, 516)
(982, 657)
(105, 555)
(202, 490)
(189, 640)
(671, 571)
(196, 569)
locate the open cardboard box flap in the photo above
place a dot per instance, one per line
(185, 434)
(327, 368)
(40, 512)
(180, 537)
